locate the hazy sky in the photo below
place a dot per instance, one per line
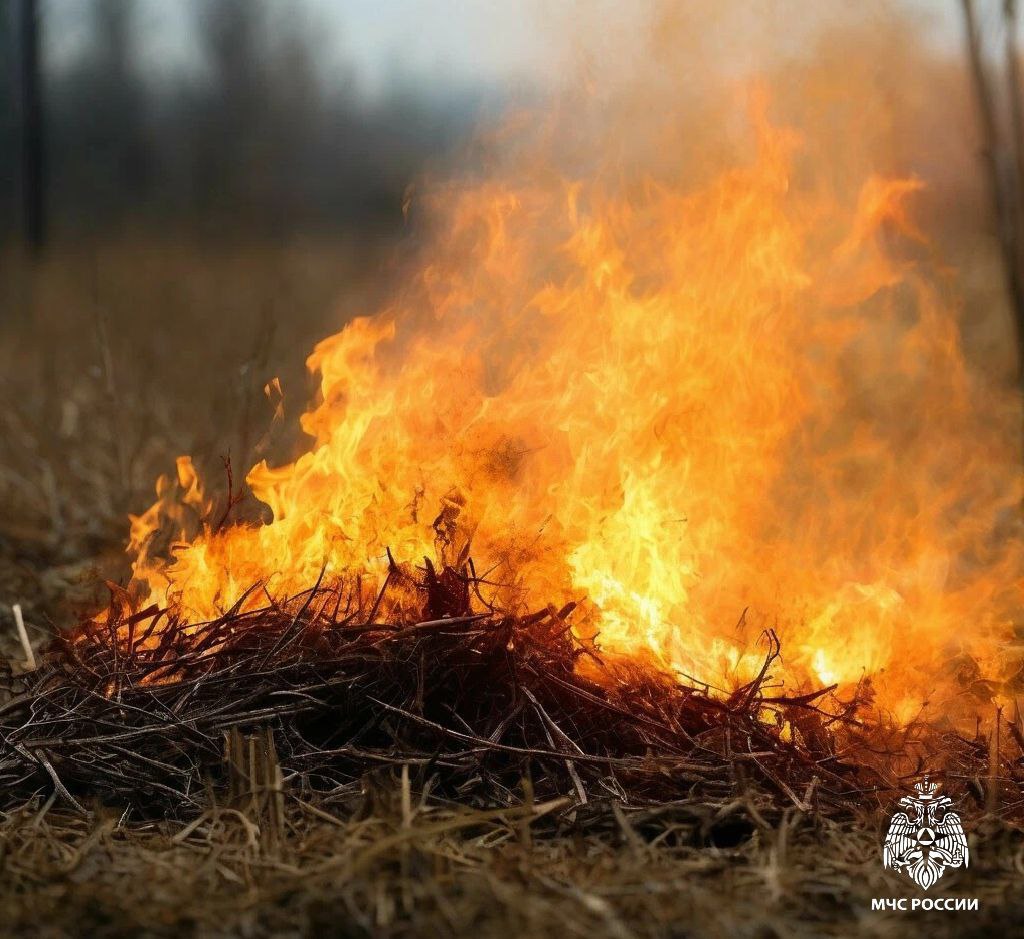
(438, 41)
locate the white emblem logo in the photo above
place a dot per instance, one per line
(925, 840)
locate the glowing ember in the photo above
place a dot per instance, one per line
(680, 400)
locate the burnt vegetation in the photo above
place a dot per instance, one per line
(138, 708)
(141, 708)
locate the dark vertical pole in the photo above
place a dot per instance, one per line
(33, 150)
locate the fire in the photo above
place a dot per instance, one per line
(703, 404)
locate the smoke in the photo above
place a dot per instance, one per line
(684, 343)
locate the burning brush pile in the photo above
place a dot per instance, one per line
(651, 478)
(481, 701)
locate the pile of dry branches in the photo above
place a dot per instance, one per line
(139, 708)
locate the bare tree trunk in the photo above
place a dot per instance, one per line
(1013, 90)
(33, 151)
(1004, 174)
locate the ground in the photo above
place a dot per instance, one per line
(370, 869)
(115, 359)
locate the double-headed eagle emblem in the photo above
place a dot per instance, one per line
(927, 838)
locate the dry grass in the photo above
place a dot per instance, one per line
(383, 863)
(115, 359)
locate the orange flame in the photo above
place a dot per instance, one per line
(693, 405)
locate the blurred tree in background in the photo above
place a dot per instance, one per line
(8, 126)
(100, 146)
(250, 143)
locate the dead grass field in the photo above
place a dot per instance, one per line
(371, 867)
(115, 359)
